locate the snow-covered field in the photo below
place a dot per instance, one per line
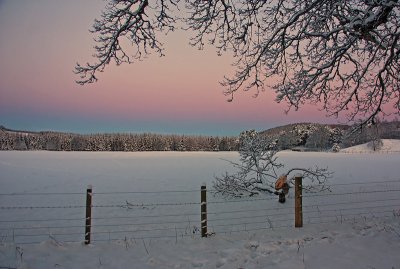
(388, 146)
(146, 213)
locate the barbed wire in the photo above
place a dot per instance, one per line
(348, 193)
(267, 221)
(41, 193)
(351, 208)
(352, 202)
(102, 232)
(210, 220)
(41, 207)
(364, 183)
(41, 220)
(145, 192)
(249, 210)
(42, 227)
(101, 193)
(48, 234)
(145, 216)
(96, 225)
(127, 205)
(148, 223)
(270, 218)
(38, 242)
(369, 213)
(271, 226)
(164, 191)
(250, 217)
(254, 229)
(246, 229)
(145, 237)
(368, 152)
(241, 200)
(179, 191)
(141, 230)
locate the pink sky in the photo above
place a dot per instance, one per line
(40, 42)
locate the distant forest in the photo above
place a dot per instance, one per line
(57, 141)
(298, 136)
(325, 137)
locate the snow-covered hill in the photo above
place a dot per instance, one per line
(388, 145)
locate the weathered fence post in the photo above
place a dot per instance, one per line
(88, 214)
(203, 210)
(298, 213)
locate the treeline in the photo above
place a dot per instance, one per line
(310, 136)
(16, 140)
(316, 137)
(300, 136)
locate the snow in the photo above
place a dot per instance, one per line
(389, 145)
(355, 245)
(351, 245)
(328, 239)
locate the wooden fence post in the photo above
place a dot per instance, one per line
(88, 225)
(298, 215)
(203, 210)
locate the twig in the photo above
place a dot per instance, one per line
(144, 244)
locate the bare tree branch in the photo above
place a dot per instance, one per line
(127, 23)
(257, 172)
(342, 55)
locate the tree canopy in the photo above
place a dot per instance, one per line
(340, 54)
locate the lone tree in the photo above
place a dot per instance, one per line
(258, 170)
(341, 54)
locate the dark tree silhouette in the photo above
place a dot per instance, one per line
(343, 55)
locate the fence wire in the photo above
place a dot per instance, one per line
(131, 215)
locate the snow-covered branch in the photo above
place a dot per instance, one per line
(127, 31)
(342, 55)
(257, 172)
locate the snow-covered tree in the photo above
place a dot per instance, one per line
(373, 134)
(319, 138)
(258, 169)
(335, 147)
(342, 54)
(16, 140)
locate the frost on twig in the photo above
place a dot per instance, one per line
(343, 55)
(127, 31)
(257, 171)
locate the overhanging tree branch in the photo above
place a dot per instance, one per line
(122, 22)
(342, 55)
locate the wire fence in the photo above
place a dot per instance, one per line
(30, 218)
(380, 151)
(353, 201)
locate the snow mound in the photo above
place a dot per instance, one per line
(388, 145)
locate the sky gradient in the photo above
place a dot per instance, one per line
(41, 41)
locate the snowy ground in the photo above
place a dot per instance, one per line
(389, 146)
(355, 226)
(365, 244)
